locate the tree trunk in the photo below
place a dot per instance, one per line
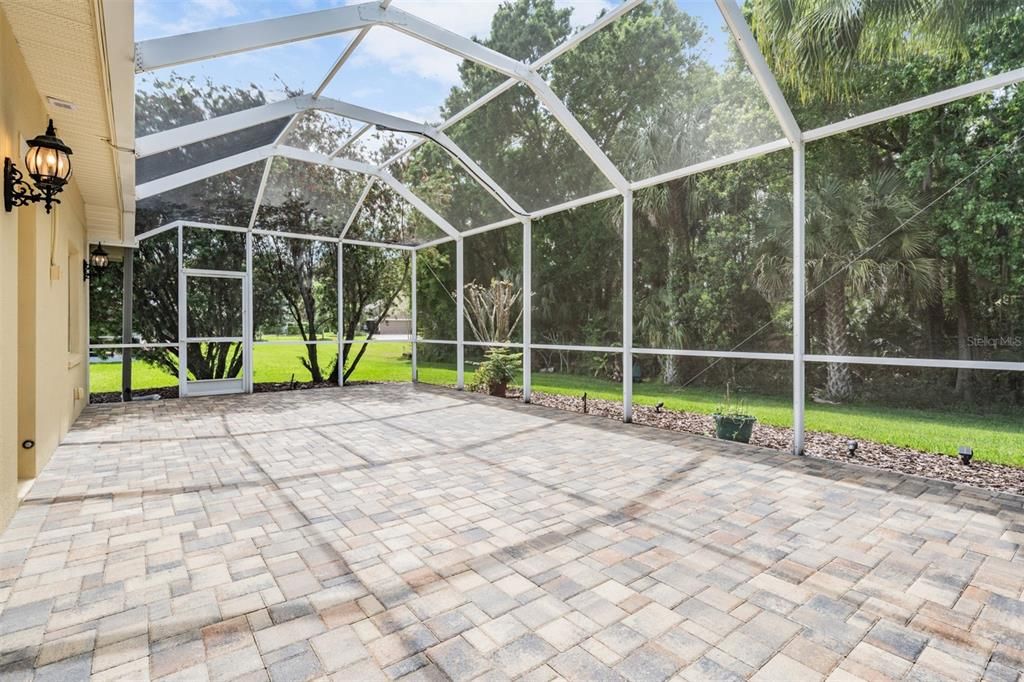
(679, 243)
(839, 384)
(964, 324)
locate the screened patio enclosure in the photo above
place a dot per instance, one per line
(650, 140)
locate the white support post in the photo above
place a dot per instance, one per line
(414, 323)
(460, 314)
(627, 306)
(799, 293)
(527, 307)
(182, 330)
(341, 314)
(127, 324)
(248, 319)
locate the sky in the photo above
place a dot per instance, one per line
(389, 71)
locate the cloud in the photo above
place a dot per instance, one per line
(156, 18)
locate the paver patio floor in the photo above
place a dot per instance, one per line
(395, 531)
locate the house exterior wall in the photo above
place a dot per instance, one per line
(43, 317)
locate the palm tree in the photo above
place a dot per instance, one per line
(815, 47)
(862, 243)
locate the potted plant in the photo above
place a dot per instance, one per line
(732, 421)
(499, 367)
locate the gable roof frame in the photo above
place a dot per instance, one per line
(266, 152)
(201, 45)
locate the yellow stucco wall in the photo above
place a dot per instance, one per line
(42, 360)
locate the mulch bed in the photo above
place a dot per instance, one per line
(271, 387)
(902, 460)
(147, 394)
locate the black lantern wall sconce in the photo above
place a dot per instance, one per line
(97, 263)
(49, 167)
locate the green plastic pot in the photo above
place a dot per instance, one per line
(734, 427)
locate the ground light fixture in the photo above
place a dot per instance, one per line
(851, 447)
(49, 167)
(966, 455)
(97, 263)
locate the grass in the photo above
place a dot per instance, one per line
(995, 438)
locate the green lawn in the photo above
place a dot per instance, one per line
(995, 438)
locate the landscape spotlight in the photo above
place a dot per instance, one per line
(966, 454)
(657, 408)
(851, 447)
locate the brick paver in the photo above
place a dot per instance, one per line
(379, 532)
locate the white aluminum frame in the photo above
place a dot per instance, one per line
(164, 52)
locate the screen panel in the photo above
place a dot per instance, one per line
(155, 289)
(224, 199)
(208, 249)
(712, 259)
(284, 366)
(577, 276)
(308, 198)
(175, 96)
(206, 151)
(437, 364)
(690, 390)
(448, 188)
(436, 307)
(382, 362)
(294, 289)
(919, 409)
(561, 378)
(526, 151)
(494, 285)
(664, 87)
(918, 254)
(386, 217)
(890, 52)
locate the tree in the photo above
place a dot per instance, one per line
(862, 242)
(829, 51)
(301, 272)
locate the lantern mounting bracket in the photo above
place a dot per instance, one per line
(17, 192)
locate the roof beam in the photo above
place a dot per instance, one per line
(482, 178)
(183, 136)
(159, 53)
(577, 132)
(351, 140)
(432, 215)
(206, 170)
(733, 16)
(358, 207)
(919, 104)
(598, 24)
(228, 123)
(265, 152)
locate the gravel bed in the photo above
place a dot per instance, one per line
(986, 475)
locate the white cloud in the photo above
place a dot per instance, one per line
(402, 55)
(155, 18)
